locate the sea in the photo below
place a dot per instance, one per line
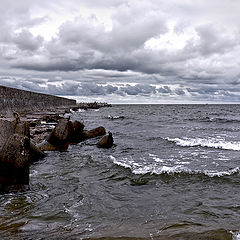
(173, 173)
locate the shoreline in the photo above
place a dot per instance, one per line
(25, 136)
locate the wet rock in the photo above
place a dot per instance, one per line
(59, 138)
(96, 132)
(46, 146)
(52, 118)
(75, 109)
(6, 130)
(77, 132)
(93, 105)
(35, 153)
(8, 127)
(106, 141)
(23, 128)
(14, 163)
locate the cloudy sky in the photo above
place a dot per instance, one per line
(123, 51)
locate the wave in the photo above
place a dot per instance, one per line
(215, 119)
(209, 142)
(224, 120)
(115, 117)
(138, 169)
(235, 235)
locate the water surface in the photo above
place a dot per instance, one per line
(173, 173)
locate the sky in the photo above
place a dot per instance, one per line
(123, 51)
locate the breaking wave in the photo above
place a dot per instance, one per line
(214, 119)
(223, 120)
(235, 235)
(115, 117)
(209, 142)
(138, 169)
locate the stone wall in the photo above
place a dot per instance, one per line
(12, 99)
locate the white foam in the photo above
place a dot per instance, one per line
(209, 142)
(139, 169)
(155, 158)
(229, 172)
(33, 173)
(115, 117)
(123, 164)
(235, 235)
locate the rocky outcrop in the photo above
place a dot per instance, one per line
(106, 141)
(15, 163)
(59, 139)
(77, 132)
(90, 105)
(16, 154)
(35, 153)
(18, 151)
(96, 132)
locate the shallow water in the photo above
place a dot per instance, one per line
(173, 173)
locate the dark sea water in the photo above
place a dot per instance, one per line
(173, 173)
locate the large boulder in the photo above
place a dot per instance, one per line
(35, 153)
(59, 138)
(96, 132)
(6, 130)
(77, 132)
(106, 141)
(22, 128)
(46, 146)
(10, 126)
(15, 163)
(51, 118)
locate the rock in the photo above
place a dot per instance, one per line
(75, 109)
(46, 146)
(77, 132)
(23, 128)
(9, 127)
(6, 130)
(14, 163)
(51, 118)
(106, 141)
(35, 153)
(96, 132)
(59, 138)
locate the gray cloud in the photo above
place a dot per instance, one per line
(179, 91)
(214, 40)
(26, 41)
(138, 90)
(90, 56)
(164, 89)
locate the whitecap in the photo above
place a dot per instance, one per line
(33, 173)
(212, 173)
(139, 169)
(155, 158)
(235, 235)
(208, 142)
(115, 117)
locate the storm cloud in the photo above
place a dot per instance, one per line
(164, 51)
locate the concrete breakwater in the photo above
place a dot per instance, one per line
(24, 136)
(24, 139)
(12, 99)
